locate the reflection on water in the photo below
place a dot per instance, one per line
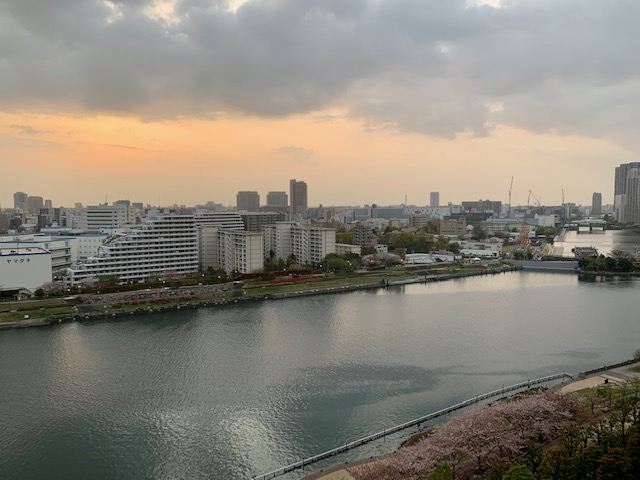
(604, 242)
(238, 391)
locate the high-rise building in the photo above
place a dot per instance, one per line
(277, 199)
(297, 198)
(596, 204)
(20, 201)
(48, 204)
(627, 193)
(35, 204)
(363, 235)
(248, 201)
(434, 199)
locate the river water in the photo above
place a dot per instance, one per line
(234, 392)
(605, 242)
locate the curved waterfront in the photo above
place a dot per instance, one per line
(234, 392)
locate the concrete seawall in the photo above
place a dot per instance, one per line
(568, 266)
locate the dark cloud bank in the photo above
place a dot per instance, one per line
(432, 66)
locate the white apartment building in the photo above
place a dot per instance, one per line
(96, 217)
(89, 245)
(307, 243)
(228, 220)
(230, 250)
(64, 250)
(25, 268)
(242, 251)
(162, 243)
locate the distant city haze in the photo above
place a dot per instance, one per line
(368, 102)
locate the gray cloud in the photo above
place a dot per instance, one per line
(29, 130)
(429, 66)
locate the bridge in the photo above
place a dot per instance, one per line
(417, 421)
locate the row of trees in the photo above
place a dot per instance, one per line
(481, 443)
(618, 261)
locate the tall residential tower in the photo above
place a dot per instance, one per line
(298, 198)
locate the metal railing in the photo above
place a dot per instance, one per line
(417, 421)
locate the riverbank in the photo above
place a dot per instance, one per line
(617, 374)
(110, 306)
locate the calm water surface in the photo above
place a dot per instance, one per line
(231, 393)
(605, 242)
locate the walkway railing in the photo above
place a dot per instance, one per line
(361, 441)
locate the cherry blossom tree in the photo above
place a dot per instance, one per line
(482, 441)
(52, 288)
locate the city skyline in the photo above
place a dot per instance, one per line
(180, 102)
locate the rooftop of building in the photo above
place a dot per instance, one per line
(23, 251)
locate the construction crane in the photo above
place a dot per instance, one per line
(510, 188)
(531, 194)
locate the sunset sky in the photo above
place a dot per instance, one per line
(186, 101)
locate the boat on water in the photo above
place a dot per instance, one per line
(584, 252)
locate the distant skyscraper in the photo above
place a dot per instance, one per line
(277, 199)
(434, 199)
(20, 201)
(596, 204)
(627, 193)
(248, 201)
(35, 204)
(48, 204)
(297, 197)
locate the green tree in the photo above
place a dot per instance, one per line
(557, 465)
(454, 247)
(518, 472)
(107, 280)
(479, 233)
(614, 465)
(441, 472)
(368, 250)
(344, 237)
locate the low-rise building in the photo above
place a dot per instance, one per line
(64, 249)
(470, 248)
(345, 248)
(24, 268)
(455, 227)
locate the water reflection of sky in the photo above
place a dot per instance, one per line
(604, 242)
